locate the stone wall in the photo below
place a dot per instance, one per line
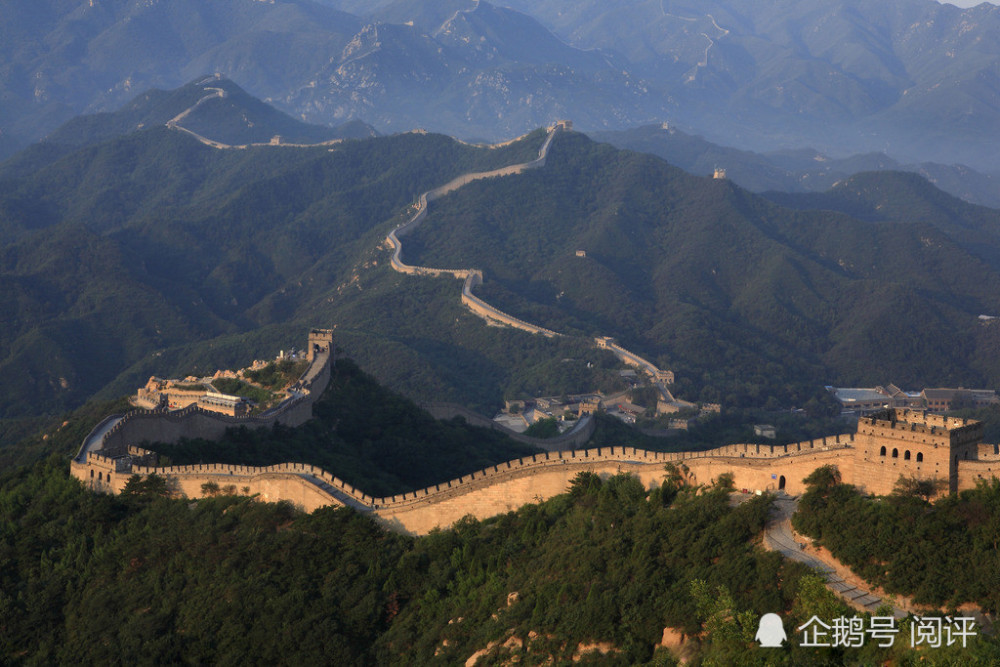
(114, 439)
(485, 492)
(472, 277)
(509, 485)
(491, 314)
(971, 473)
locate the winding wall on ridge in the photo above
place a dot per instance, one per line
(472, 277)
(483, 493)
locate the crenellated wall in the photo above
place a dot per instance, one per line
(507, 486)
(472, 277)
(483, 493)
(109, 451)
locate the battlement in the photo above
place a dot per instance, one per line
(511, 483)
(320, 340)
(113, 441)
(914, 425)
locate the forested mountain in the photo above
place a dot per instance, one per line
(133, 246)
(214, 108)
(793, 170)
(913, 78)
(151, 253)
(725, 287)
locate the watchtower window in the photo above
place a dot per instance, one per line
(895, 453)
(882, 451)
(906, 455)
(920, 457)
(91, 472)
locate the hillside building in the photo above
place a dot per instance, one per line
(865, 400)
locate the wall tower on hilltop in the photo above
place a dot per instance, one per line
(320, 340)
(912, 443)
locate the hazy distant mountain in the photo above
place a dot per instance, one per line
(474, 69)
(483, 71)
(914, 77)
(803, 170)
(61, 58)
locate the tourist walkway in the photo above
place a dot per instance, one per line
(778, 537)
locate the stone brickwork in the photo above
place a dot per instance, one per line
(109, 452)
(509, 485)
(911, 443)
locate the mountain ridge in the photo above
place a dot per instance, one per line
(913, 78)
(198, 256)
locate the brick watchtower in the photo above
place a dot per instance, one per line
(912, 443)
(320, 340)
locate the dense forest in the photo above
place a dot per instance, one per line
(942, 553)
(90, 578)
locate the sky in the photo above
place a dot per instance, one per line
(969, 3)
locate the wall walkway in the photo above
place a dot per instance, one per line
(483, 493)
(474, 277)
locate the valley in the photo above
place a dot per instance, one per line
(688, 306)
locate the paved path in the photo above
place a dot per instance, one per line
(778, 537)
(95, 440)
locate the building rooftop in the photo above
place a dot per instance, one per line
(856, 395)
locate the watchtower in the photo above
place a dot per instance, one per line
(320, 340)
(912, 443)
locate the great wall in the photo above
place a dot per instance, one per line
(887, 445)
(471, 277)
(899, 442)
(474, 277)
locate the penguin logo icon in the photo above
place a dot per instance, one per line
(771, 631)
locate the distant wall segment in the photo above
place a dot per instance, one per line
(108, 453)
(472, 277)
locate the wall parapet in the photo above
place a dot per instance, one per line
(472, 277)
(625, 455)
(337, 492)
(115, 436)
